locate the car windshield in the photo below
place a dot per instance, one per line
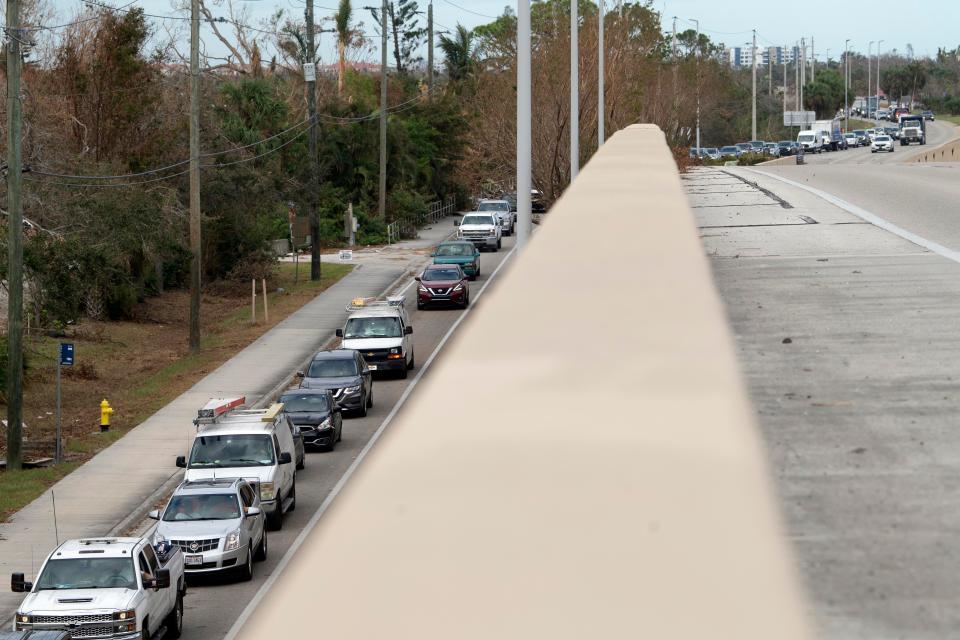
(859, 132)
(385, 327)
(88, 573)
(728, 150)
(232, 450)
(494, 206)
(807, 137)
(477, 220)
(455, 250)
(203, 506)
(434, 275)
(333, 367)
(710, 150)
(744, 145)
(883, 138)
(313, 402)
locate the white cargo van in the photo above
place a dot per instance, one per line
(810, 141)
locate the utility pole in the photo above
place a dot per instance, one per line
(785, 83)
(310, 76)
(813, 61)
(796, 73)
(195, 263)
(878, 73)
(15, 242)
(382, 207)
(676, 74)
(754, 60)
(697, 53)
(574, 90)
(803, 68)
(430, 49)
(846, 90)
(601, 107)
(524, 124)
(869, 75)
(770, 71)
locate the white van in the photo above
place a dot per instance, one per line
(381, 331)
(254, 444)
(811, 141)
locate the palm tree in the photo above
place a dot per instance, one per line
(344, 35)
(459, 53)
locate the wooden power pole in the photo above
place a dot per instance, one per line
(195, 257)
(15, 241)
(382, 207)
(430, 49)
(310, 75)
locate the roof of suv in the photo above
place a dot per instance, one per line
(335, 354)
(208, 485)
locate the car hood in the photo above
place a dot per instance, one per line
(197, 528)
(80, 601)
(441, 284)
(308, 417)
(250, 474)
(329, 383)
(363, 344)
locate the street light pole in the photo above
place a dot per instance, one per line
(382, 200)
(524, 138)
(869, 76)
(785, 83)
(195, 225)
(754, 61)
(574, 90)
(310, 77)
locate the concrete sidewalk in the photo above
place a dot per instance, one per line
(100, 495)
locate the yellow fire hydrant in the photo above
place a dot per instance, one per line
(105, 412)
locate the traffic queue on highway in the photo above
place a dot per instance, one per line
(240, 472)
(828, 135)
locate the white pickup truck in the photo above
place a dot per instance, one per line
(109, 588)
(483, 229)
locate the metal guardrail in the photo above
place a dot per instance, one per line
(407, 228)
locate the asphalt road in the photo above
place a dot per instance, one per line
(937, 133)
(214, 604)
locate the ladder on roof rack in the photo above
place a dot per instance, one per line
(358, 304)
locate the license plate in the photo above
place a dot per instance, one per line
(372, 367)
(193, 560)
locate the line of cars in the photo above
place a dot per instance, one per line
(239, 477)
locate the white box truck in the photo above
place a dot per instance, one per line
(831, 134)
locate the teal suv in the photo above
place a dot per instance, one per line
(462, 253)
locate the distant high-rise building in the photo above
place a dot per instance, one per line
(743, 56)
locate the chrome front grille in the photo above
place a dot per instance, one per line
(197, 546)
(76, 619)
(439, 292)
(91, 632)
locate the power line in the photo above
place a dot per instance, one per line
(476, 13)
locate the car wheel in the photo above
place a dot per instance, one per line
(403, 373)
(174, 620)
(246, 571)
(261, 554)
(145, 630)
(412, 362)
(466, 302)
(419, 306)
(499, 244)
(370, 398)
(275, 520)
(333, 442)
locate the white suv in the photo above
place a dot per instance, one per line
(503, 210)
(483, 229)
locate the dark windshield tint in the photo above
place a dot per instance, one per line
(455, 250)
(203, 506)
(333, 368)
(88, 573)
(386, 327)
(494, 206)
(433, 275)
(232, 450)
(316, 402)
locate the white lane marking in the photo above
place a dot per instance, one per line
(341, 483)
(872, 218)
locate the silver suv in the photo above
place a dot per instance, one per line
(218, 525)
(503, 209)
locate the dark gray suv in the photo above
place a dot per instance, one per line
(345, 374)
(316, 414)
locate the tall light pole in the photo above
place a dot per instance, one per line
(601, 108)
(878, 74)
(195, 248)
(754, 61)
(310, 77)
(813, 61)
(796, 73)
(524, 144)
(574, 90)
(430, 49)
(803, 68)
(697, 53)
(846, 90)
(382, 200)
(785, 82)
(869, 76)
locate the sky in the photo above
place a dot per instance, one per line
(829, 22)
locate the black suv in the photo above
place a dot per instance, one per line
(345, 374)
(317, 416)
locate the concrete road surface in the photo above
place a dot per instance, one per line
(848, 336)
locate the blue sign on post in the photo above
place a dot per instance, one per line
(66, 354)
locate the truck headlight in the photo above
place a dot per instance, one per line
(24, 618)
(267, 492)
(129, 614)
(493, 232)
(233, 541)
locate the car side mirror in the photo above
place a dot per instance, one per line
(162, 581)
(182, 462)
(417, 278)
(252, 511)
(18, 584)
(300, 374)
(339, 333)
(154, 515)
(285, 458)
(407, 330)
